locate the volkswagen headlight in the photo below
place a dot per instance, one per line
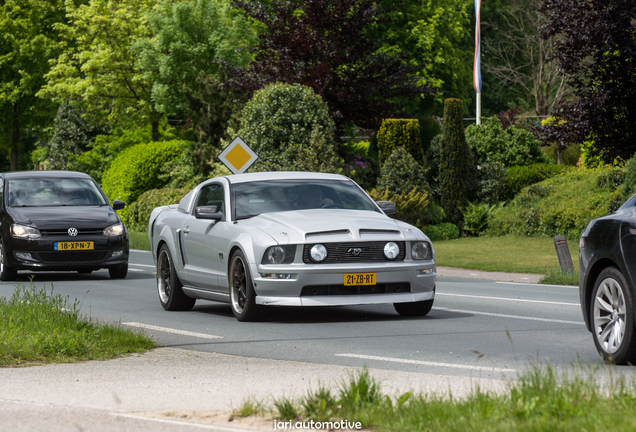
(421, 251)
(279, 254)
(114, 230)
(25, 232)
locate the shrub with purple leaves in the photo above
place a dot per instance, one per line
(362, 170)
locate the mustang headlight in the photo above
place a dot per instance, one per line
(391, 250)
(420, 251)
(25, 232)
(279, 255)
(114, 230)
(318, 252)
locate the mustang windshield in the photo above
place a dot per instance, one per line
(53, 192)
(254, 198)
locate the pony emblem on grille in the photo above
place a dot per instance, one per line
(355, 251)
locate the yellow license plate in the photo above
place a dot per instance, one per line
(359, 279)
(71, 246)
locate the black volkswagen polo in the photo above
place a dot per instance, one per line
(59, 220)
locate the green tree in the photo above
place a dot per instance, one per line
(456, 165)
(27, 42)
(100, 66)
(73, 135)
(191, 43)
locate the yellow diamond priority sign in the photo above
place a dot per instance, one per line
(237, 156)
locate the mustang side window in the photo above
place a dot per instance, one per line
(212, 195)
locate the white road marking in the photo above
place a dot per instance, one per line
(509, 316)
(169, 330)
(142, 265)
(135, 270)
(534, 284)
(181, 423)
(426, 363)
(508, 299)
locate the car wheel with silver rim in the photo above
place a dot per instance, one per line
(242, 295)
(6, 272)
(420, 308)
(613, 318)
(169, 286)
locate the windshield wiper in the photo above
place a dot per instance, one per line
(246, 216)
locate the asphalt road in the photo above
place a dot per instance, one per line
(477, 327)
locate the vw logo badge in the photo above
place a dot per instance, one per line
(72, 232)
(354, 251)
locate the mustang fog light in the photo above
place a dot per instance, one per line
(114, 230)
(276, 275)
(279, 255)
(318, 252)
(117, 253)
(391, 250)
(420, 251)
(24, 256)
(25, 232)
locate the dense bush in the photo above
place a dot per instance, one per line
(72, 135)
(563, 204)
(477, 216)
(399, 133)
(138, 169)
(429, 129)
(282, 121)
(139, 211)
(456, 162)
(105, 148)
(361, 169)
(401, 173)
(431, 166)
(411, 207)
(511, 146)
(491, 182)
(518, 177)
(629, 187)
(443, 231)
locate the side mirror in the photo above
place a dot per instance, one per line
(118, 205)
(388, 207)
(208, 212)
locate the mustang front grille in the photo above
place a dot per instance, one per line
(329, 290)
(350, 252)
(73, 256)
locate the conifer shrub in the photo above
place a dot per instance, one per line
(399, 133)
(456, 162)
(401, 173)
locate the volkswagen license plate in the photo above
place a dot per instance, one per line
(359, 279)
(71, 246)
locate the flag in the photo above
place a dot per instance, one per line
(477, 65)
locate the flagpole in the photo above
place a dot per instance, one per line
(477, 63)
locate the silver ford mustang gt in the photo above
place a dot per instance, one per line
(288, 239)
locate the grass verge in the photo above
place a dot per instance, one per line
(539, 400)
(139, 240)
(42, 327)
(555, 276)
(512, 254)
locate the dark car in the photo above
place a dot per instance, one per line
(607, 285)
(59, 220)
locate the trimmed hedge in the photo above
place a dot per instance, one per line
(563, 204)
(519, 177)
(399, 133)
(443, 231)
(139, 211)
(137, 170)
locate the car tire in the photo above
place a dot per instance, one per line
(118, 272)
(612, 316)
(420, 308)
(242, 295)
(85, 271)
(6, 272)
(171, 294)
